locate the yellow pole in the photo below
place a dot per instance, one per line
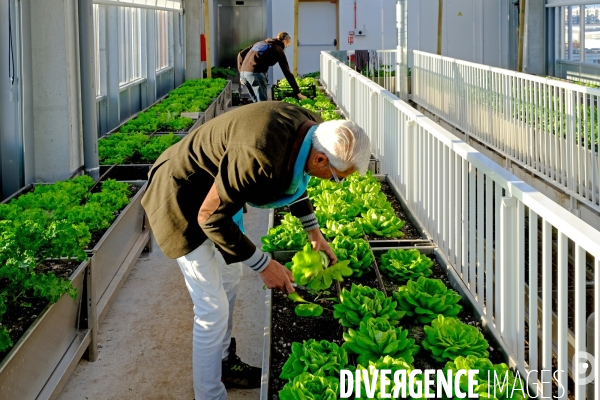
(207, 39)
(440, 16)
(521, 35)
(296, 37)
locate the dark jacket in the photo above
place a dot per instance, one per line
(262, 55)
(241, 156)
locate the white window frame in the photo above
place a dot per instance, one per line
(163, 40)
(131, 45)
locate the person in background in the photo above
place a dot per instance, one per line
(262, 154)
(255, 60)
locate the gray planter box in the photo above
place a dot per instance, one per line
(117, 251)
(41, 362)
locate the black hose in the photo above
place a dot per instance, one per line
(11, 55)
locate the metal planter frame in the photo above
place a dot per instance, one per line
(117, 251)
(40, 363)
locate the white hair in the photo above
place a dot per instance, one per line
(345, 144)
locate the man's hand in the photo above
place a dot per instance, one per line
(301, 96)
(277, 276)
(320, 243)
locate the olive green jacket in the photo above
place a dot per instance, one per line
(242, 156)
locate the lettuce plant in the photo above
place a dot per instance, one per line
(357, 251)
(448, 338)
(116, 148)
(393, 365)
(311, 269)
(307, 386)
(284, 237)
(507, 386)
(402, 265)
(156, 146)
(308, 310)
(382, 223)
(321, 358)
(333, 228)
(426, 298)
(376, 201)
(363, 303)
(338, 205)
(330, 115)
(375, 338)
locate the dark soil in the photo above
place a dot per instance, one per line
(22, 312)
(288, 328)
(97, 235)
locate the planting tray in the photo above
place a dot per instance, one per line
(40, 363)
(130, 172)
(117, 251)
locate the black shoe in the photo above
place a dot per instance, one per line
(237, 374)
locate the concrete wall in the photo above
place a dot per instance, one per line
(472, 30)
(56, 114)
(194, 26)
(376, 17)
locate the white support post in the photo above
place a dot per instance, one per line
(508, 261)
(410, 171)
(351, 98)
(374, 121)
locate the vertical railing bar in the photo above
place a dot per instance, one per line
(533, 295)
(563, 310)
(489, 245)
(480, 238)
(472, 265)
(580, 318)
(546, 308)
(497, 265)
(465, 220)
(520, 284)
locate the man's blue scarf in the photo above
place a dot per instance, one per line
(298, 185)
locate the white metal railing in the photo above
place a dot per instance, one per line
(548, 126)
(504, 240)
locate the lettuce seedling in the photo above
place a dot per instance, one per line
(402, 265)
(507, 387)
(311, 387)
(320, 358)
(382, 223)
(284, 237)
(357, 251)
(375, 338)
(308, 310)
(393, 365)
(427, 298)
(363, 303)
(448, 338)
(352, 229)
(311, 269)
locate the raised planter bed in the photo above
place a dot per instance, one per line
(130, 172)
(40, 363)
(117, 251)
(276, 347)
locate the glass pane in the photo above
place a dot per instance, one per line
(592, 34)
(575, 33)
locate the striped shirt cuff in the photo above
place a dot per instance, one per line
(259, 261)
(309, 222)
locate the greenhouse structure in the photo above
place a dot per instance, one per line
(414, 211)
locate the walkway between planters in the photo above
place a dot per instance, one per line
(145, 341)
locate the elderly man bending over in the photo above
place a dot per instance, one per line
(261, 154)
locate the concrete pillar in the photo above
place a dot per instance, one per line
(194, 26)
(57, 127)
(534, 52)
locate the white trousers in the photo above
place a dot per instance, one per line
(213, 286)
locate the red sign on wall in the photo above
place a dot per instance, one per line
(350, 39)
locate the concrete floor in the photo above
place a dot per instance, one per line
(145, 340)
